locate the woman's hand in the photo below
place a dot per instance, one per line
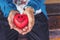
(30, 13)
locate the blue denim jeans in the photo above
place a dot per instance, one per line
(39, 31)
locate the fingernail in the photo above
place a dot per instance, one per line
(25, 27)
(24, 30)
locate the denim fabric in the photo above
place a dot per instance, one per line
(5, 32)
(40, 29)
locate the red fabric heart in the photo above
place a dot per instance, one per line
(20, 20)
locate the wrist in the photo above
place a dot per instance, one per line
(12, 14)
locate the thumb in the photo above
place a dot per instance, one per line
(11, 24)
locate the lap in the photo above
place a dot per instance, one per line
(40, 29)
(6, 33)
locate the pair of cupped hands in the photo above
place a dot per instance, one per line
(30, 13)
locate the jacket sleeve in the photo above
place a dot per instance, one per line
(6, 6)
(36, 4)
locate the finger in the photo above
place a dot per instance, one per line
(30, 26)
(24, 33)
(11, 24)
(18, 30)
(25, 29)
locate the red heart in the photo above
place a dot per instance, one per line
(20, 20)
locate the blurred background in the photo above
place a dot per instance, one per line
(53, 9)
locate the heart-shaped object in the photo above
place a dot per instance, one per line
(20, 20)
